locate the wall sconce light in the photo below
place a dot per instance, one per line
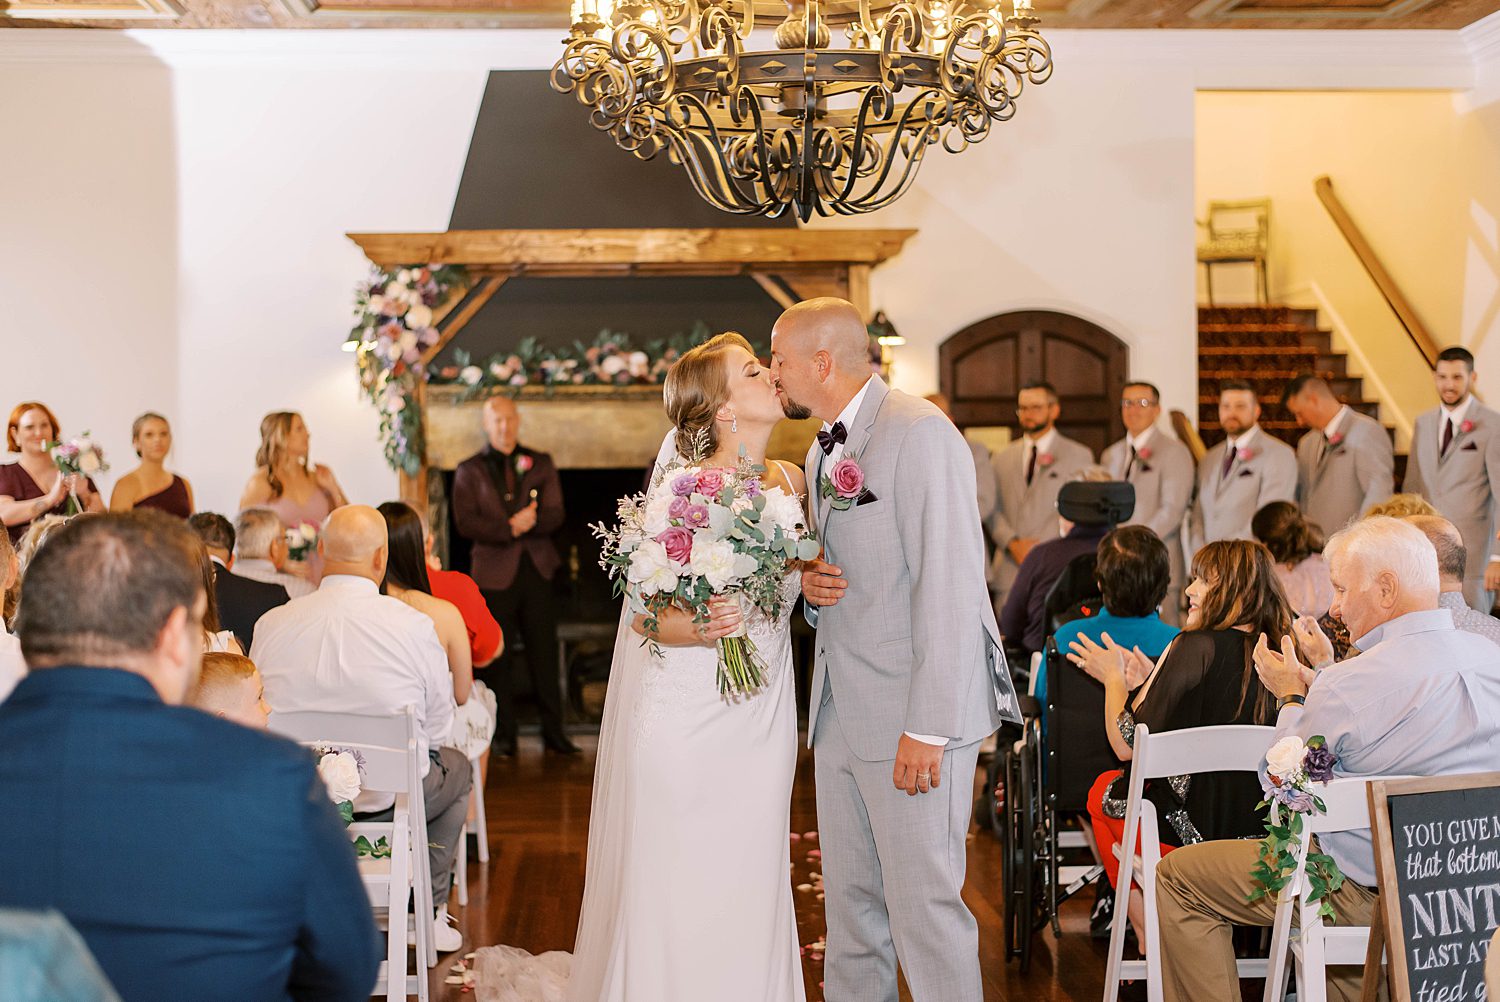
(884, 340)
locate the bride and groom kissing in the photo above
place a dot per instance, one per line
(687, 896)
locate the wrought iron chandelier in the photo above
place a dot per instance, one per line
(803, 126)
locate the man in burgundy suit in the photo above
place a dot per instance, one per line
(508, 502)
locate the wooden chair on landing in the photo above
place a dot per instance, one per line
(1238, 233)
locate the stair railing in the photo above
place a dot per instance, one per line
(1398, 303)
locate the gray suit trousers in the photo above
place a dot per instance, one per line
(906, 906)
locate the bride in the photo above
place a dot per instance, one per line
(687, 894)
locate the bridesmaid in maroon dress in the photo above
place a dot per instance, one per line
(152, 485)
(33, 487)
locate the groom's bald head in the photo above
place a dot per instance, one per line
(819, 356)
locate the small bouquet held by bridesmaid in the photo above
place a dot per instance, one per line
(77, 457)
(703, 532)
(301, 541)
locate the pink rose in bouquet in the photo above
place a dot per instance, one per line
(711, 482)
(847, 477)
(678, 508)
(678, 543)
(696, 517)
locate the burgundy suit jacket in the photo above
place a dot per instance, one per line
(482, 517)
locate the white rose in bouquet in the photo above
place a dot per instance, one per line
(1285, 757)
(88, 461)
(471, 374)
(717, 561)
(419, 316)
(783, 510)
(340, 773)
(308, 532)
(651, 569)
(657, 512)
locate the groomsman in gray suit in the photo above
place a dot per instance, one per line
(1031, 470)
(908, 676)
(1455, 464)
(1345, 463)
(1242, 474)
(1161, 469)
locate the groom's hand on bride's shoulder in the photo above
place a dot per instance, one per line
(823, 584)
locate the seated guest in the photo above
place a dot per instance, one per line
(12, 665)
(230, 687)
(1452, 559)
(1421, 699)
(215, 637)
(1297, 547)
(1206, 677)
(36, 535)
(346, 648)
(152, 485)
(406, 579)
(167, 909)
(237, 603)
(260, 552)
(33, 486)
(1400, 506)
(1023, 618)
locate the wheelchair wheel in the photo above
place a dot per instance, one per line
(1023, 871)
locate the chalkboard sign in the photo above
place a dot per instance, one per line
(1437, 854)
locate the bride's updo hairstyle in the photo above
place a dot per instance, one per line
(697, 386)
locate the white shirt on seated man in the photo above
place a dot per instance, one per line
(346, 648)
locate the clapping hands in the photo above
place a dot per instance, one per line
(1312, 641)
(1110, 663)
(1282, 674)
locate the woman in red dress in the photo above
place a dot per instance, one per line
(33, 486)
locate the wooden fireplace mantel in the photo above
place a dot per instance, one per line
(789, 264)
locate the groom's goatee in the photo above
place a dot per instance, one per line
(794, 410)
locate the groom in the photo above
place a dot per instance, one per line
(909, 677)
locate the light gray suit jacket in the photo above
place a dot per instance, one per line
(913, 644)
(1029, 511)
(1463, 484)
(1163, 489)
(1225, 505)
(1349, 477)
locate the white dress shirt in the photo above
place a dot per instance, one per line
(12, 665)
(847, 416)
(1332, 427)
(260, 569)
(1133, 445)
(346, 648)
(1454, 414)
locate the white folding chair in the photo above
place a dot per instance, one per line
(1316, 946)
(1225, 748)
(402, 884)
(481, 826)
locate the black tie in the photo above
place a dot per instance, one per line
(1030, 464)
(1447, 437)
(835, 435)
(1130, 466)
(1229, 453)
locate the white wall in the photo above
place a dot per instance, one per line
(174, 206)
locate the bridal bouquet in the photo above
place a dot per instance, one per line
(702, 532)
(78, 457)
(1292, 767)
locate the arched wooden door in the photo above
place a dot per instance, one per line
(982, 368)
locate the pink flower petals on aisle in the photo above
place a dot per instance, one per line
(462, 974)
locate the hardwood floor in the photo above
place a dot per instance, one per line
(528, 894)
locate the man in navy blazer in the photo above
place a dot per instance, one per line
(198, 859)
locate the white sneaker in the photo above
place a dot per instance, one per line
(445, 938)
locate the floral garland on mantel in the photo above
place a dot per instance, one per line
(394, 326)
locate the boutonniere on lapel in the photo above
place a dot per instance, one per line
(1245, 453)
(1335, 440)
(1143, 459)
(1465, 427)
(845, 484)
(524, 463)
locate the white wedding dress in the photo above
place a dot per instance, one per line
(687, 894)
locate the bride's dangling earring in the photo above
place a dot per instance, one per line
(734, 424)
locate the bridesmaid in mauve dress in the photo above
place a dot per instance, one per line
(285, 483)
(152, 485)
(33, 487)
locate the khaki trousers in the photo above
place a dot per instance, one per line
(1201, 891)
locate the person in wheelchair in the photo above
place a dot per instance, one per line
(1206, 677)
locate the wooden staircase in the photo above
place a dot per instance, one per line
(1266, 346)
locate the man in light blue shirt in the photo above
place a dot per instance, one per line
(1421, 699)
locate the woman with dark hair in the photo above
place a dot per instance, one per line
(33, 486)
(1205, 678)
(1297, 547)
(406, 579)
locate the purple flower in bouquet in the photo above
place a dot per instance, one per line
(678, 508)
(678, 543)
(697, 516)
(685, 485)
(1319, 763)
(751, 488)
(1289, 796)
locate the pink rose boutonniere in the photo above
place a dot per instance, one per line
(1144, 453)
(524, 463)
(845, 484)
(1466, 427)
(1335, 440)
(1246, 453)
(1045, 460)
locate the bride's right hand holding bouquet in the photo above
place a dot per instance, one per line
(716, 543)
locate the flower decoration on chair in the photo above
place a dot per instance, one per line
(804, 126)
(394, 325)
(1292, 768)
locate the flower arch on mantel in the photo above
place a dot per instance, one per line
(395, 348)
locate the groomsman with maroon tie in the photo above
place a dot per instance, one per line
(1455, 464)
(1242, 474)
(508, 501)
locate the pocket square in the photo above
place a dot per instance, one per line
(1469, 447)
(1247, 473)
(866, 497)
